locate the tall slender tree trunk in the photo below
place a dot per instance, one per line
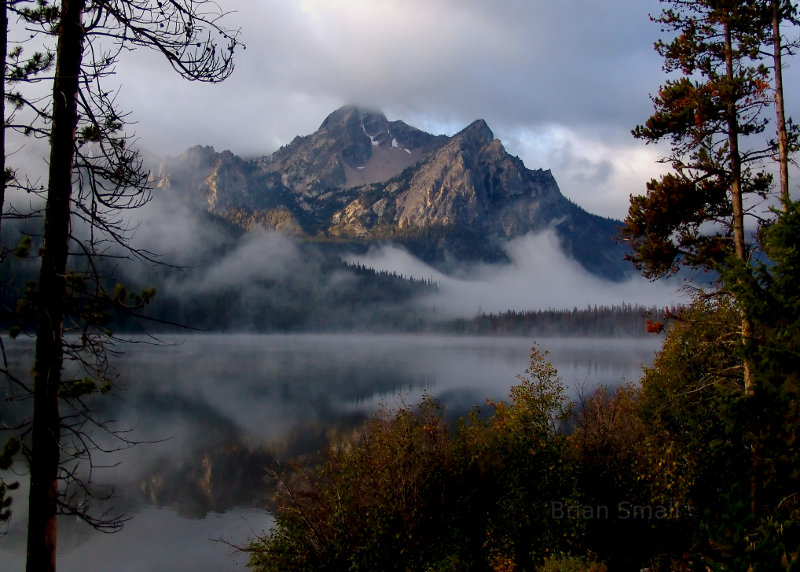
(783, 138)
(3, 54)
(45, 455)
(740, 245)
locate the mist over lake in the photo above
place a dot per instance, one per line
(224, 406)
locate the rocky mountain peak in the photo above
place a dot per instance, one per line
(477, 132)
(199, 156)
(353, 115)
(362, 178)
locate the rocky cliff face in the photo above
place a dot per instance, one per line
(470, 181)
(351, 147)
(361, 178)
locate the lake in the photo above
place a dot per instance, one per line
(211, 411)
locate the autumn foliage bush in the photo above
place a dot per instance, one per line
(410, 493)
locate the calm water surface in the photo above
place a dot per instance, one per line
(222, 406)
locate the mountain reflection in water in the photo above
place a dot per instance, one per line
(218, 409)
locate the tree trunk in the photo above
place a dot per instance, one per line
(783, 143)
(739, 243)
(44, 462)
(4, 50)
(741, 253)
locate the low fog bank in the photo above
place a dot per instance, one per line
(260, 280)
(539, 276)
(224, 278)
(215, 276)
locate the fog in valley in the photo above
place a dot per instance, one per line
(247, 271)
(538, 276)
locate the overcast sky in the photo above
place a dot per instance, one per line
(561, 83)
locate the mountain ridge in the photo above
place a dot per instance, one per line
(361, 179)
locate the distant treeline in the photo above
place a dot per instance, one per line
(386, 279)
(617, 320)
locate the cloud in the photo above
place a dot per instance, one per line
(258, 256)
(214, 256)
(511, 63)
(598, 176)
(539, 276)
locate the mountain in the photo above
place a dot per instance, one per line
(361, 179)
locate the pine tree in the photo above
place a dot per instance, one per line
(712, 115)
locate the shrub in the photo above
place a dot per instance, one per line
(408, 493)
